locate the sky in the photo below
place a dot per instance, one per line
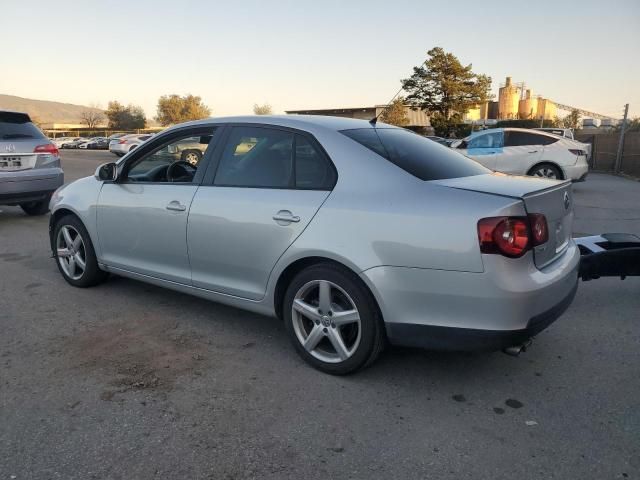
(313, 54)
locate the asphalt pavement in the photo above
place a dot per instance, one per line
(128, 380)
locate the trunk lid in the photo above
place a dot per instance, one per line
(552, 198)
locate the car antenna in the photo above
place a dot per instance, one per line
(374, 120)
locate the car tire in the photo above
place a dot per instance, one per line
(65, 234)
(546, 170)
(192, 157)
(315, 332)
(39, 207)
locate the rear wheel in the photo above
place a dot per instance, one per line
(546, 170)
(74, 253)
(332, 320)
(39, 207)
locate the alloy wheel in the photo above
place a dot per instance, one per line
(326, 321)
(191, 158)
(545, 172)
(71, 252)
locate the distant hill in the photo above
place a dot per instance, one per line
(44, 111)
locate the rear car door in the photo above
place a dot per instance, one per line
(266, 186)
(522, 150)
(142, 217)
(485, 147)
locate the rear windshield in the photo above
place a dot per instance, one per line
(18, 127)
(421, 157)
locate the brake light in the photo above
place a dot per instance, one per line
(539, 228)
(512, 236)
(47, 148)
(122, 141)
(578, 152)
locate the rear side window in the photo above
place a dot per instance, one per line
(417, 155)
(313, 170)
(18, 127)
(518, 139)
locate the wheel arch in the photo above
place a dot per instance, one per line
(287, 275)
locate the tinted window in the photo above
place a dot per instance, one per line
(174, 161)
(313, 170)
(257, 157)
(486, 140)
(516, 139)
(421, 157)
(16, 128)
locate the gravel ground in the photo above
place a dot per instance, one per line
(128, 380)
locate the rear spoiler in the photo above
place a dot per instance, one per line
(609, 255)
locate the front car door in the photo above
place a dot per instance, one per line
(142, 217)
(484, 147)
(267, 185)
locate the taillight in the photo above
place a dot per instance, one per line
(578, 152)
(512, 236)
(47, 148)
(539, 228)
(122, 141)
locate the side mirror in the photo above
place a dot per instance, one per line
(107, 172)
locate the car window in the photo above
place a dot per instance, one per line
(313, 169)
(516, 139)
(417, 155)
(175, 161)
(257, 157)
(486, 140)
(15, 128)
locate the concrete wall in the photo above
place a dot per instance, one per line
(604, 149)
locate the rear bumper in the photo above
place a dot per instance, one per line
(468, 339)
(577, 172)
(439, 309)
(29, 185)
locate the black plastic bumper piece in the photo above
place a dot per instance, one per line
(467, 339)
(609, 255)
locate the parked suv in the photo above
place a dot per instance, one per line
(29, 164)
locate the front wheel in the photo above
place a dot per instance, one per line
(333, 320)
(74, 253)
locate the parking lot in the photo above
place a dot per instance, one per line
(127, 380)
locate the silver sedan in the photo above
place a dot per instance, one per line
(355, 235)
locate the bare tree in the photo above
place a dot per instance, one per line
(262, 109)
(92, 116)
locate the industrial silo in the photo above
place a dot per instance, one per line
(546, 109)
(528, 107)
(508, 100)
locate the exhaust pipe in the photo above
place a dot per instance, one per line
(516, 350)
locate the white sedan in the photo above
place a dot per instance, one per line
(527, 152)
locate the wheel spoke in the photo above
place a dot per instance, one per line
(336, 340)
(63, 252)
(67, 237)
(344, 318)
(77, 242)
(306, 310)
(324, 296)
(315, 335)
(71, 262)
(79, 261)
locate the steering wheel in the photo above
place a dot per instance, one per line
(180, 171)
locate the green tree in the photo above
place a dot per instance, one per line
(572, 120)
(262, 109)
(443, 85)
(131, 117)
(395, 113)
(176, 109)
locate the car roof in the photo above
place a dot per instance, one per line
(302, 122)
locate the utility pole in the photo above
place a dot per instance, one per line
(621, 140)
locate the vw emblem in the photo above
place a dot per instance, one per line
(567, 201)
(10, 148)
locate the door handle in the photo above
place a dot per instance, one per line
(284, 217)
(176, 206)
(534, 151)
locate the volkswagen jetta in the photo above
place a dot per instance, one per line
(354, 234)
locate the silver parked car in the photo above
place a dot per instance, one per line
(353, 234)
(29, 164)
